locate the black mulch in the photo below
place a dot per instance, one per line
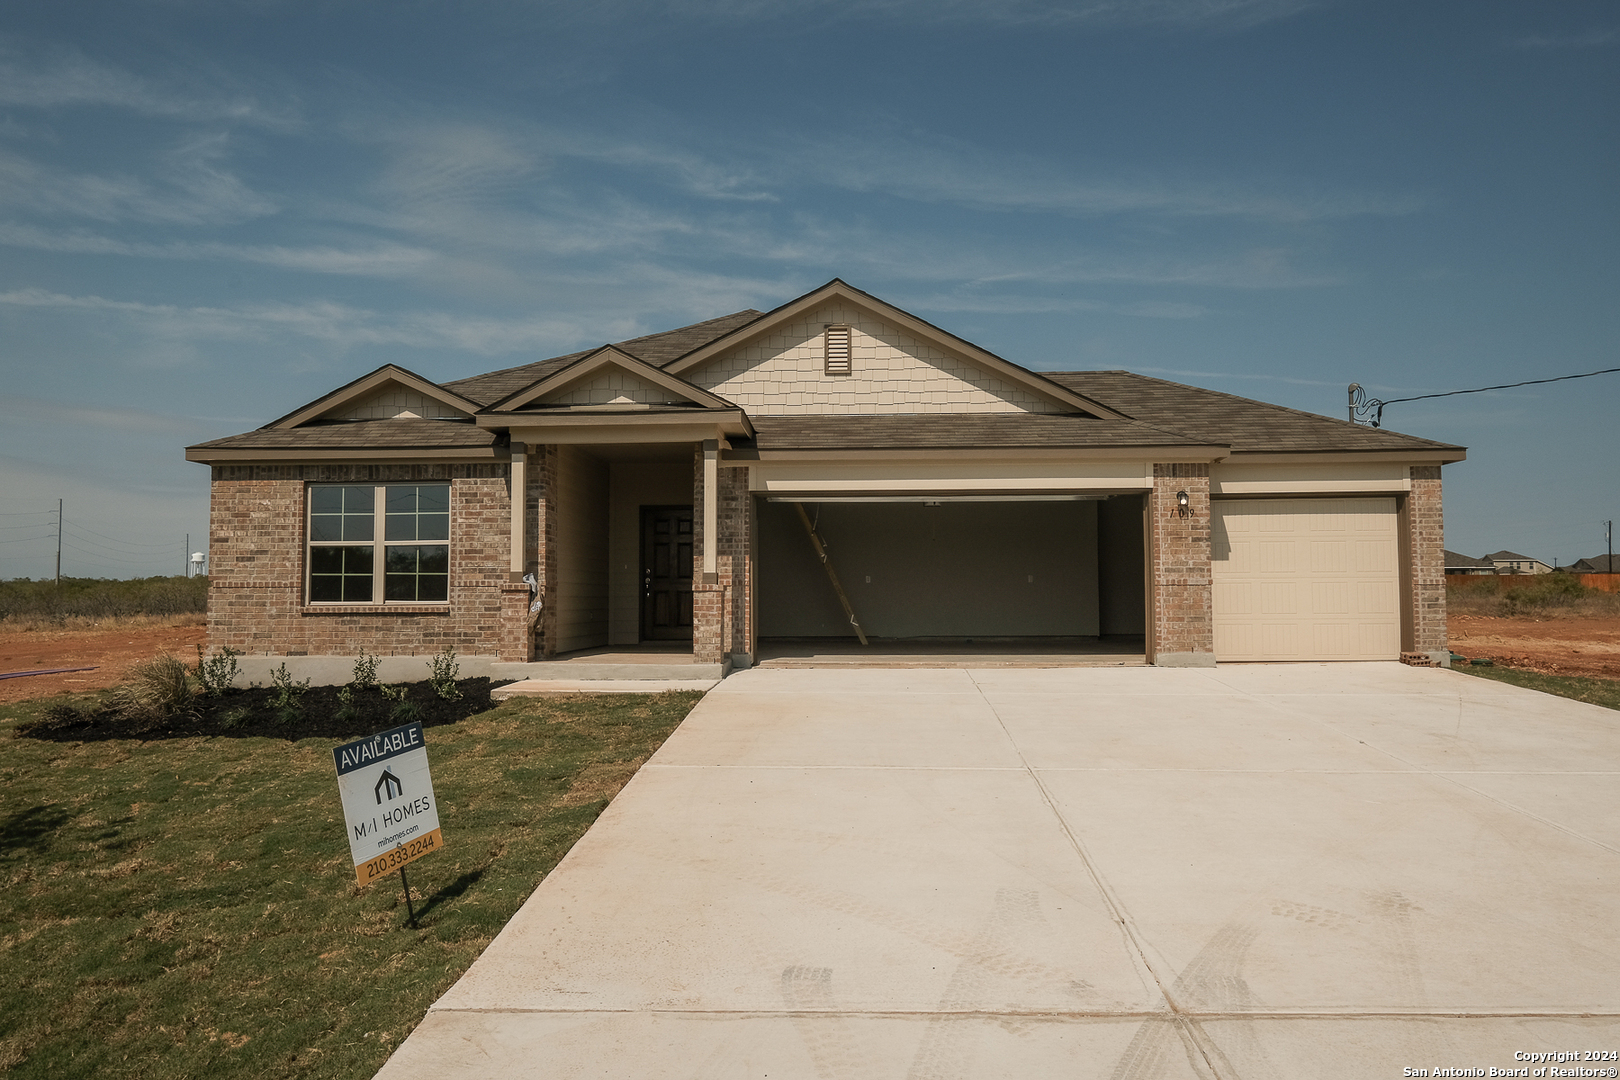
(253, 712)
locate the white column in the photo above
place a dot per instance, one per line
(711, 510)
(520, 460)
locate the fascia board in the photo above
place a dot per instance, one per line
(365, 385)
(733, 421)
(921, 328)
(606, 356)
(1412, 456)
(425, 454)
(1113, 453)
(691, 429)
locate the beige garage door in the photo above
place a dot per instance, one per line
(1306, 579)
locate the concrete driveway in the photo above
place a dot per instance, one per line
(1258, 871)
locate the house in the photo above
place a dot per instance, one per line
(1467, 565)
(1511, 562)
(664, 488)
(1597, 564)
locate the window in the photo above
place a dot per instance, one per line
(347, 558)
(838, 350)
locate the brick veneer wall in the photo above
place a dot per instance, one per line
(1183, 624)
(1425, 536)
(721, 612)
(256, 577)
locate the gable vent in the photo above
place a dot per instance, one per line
(838, 351)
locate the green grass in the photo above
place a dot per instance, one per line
(187, 907)
(1605, 692)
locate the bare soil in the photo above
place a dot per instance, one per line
(1551, 646)
(111, 652)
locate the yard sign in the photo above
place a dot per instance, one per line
(388, 802)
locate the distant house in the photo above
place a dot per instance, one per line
(1597, 564)
(1466, 564)
(1511, 562)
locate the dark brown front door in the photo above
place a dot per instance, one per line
(666, 573)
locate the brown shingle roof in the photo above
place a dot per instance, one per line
(937, 431)
(656, 349)
(1227, 420)
(361, 435)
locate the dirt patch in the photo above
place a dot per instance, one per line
(111, 652)
(1552, 646)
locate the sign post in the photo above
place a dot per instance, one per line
(388, 803)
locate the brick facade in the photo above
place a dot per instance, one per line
(1425, 557)
(722, 615)
(1181, 623)
(257, 551)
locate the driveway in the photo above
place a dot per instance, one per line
(1257, 871)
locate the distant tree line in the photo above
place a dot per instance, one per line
(102, 598)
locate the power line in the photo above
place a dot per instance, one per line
(1364, 407)
(80, 528)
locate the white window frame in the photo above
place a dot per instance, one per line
(379, 544)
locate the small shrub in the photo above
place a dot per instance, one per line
(404, 711)
(216, 673)
(289, 700)
(365, 671)
(346, 710)
(231, 719)
(445, 672)
(159, 689)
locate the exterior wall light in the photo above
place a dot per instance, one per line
(1182, 502)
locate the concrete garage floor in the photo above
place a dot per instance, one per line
(1260, 871)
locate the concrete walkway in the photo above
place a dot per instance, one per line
(1251, 871)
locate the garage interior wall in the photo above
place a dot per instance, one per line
(632, 485)
(1002, 569)
(581, 596)
(1121, 569)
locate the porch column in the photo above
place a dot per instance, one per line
(1182, 623)
(711, 511)
(514, 633)
(520, 487)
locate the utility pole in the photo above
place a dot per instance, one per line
(58, 543)
(1608, 533)
(186, 572)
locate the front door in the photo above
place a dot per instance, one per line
(666, 573)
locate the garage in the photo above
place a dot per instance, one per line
(1306, 579)
(953, 568)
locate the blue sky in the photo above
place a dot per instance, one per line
(212, 212)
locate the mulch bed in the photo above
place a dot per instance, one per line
(253, 713)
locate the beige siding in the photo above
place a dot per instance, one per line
(892, 372)
(633, 486)
(614, 386)
(1306, 579)
(582, 534)
(397, 401)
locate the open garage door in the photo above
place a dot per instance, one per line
(1306, 579)
(953, 569)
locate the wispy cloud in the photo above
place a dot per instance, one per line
(47, 77)
(1170, 13)
(375, 260)
(191, 188)
(19, 407)
(334, 324)
(1596, 38)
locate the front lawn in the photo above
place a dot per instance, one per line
(185, 906)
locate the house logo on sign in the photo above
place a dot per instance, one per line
(389, 783)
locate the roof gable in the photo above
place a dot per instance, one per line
(387, 393)
(901, 364)
(608, 377)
